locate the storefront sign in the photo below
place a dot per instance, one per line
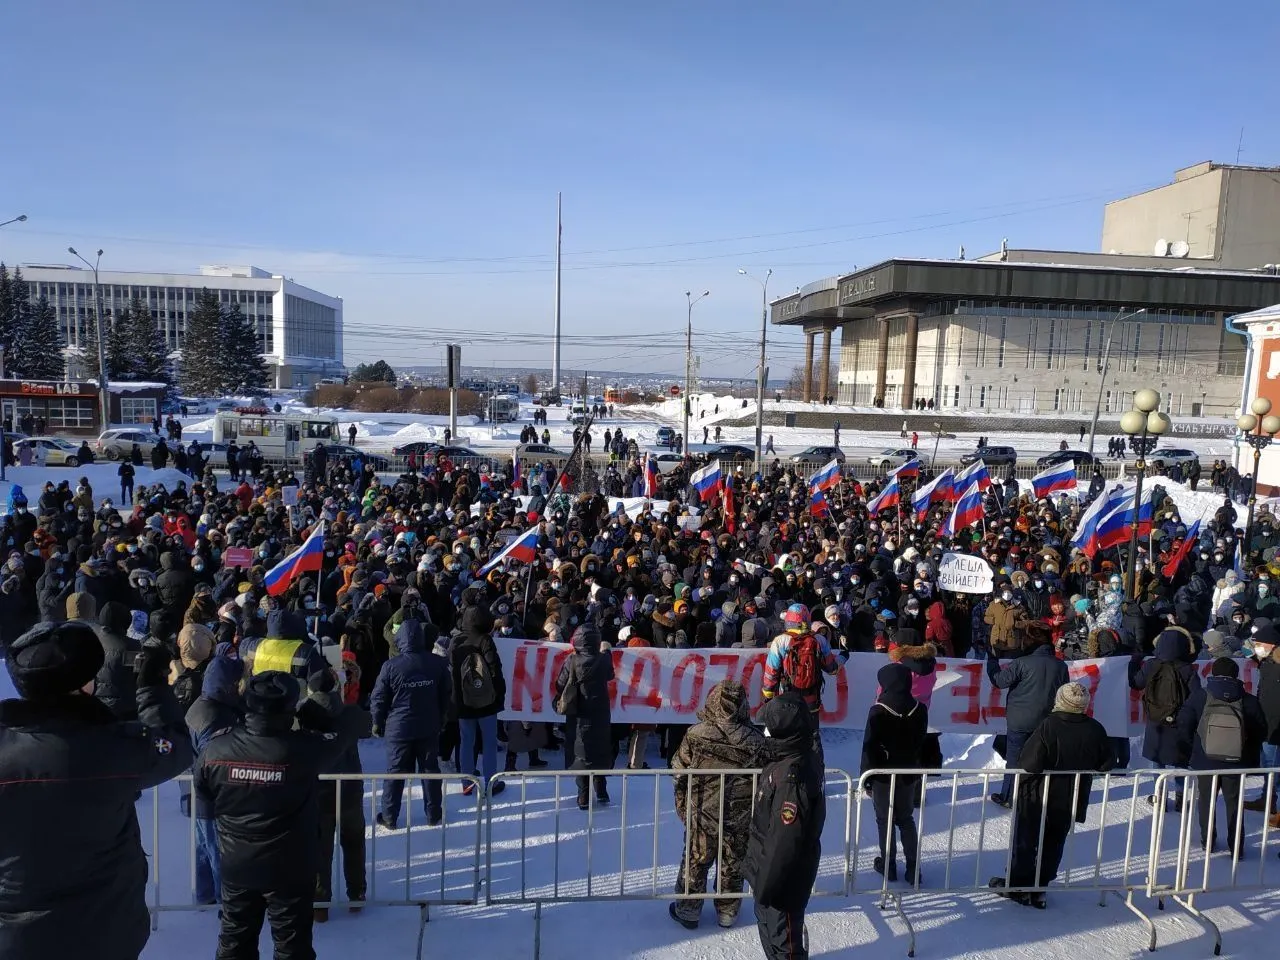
(33, 388)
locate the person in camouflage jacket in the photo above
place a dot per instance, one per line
(722, 740)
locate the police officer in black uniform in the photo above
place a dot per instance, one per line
(261, 779)
(73, 874)
(786, 827)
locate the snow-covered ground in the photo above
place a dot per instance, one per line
(102, 477)
(382, 432)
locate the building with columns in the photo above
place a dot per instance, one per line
(1030, 331)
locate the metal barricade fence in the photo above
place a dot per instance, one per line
(635, 853)
(425, 866)
(974, 841)
(1191, 797)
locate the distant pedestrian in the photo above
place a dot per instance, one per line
(768, 447)
(1082, 432)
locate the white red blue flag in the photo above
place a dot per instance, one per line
(523, 548)
(826, 478)
(1054, 479)
(967, 511)
(936, 490)
(650, 476)
(909, 469)
(890, 496)
(308, 558)
(707, 480)
(976, 472)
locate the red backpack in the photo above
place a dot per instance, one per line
(800, 669)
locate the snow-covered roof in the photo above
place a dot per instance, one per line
(1263, 315)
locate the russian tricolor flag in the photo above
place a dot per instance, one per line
(523, 548)
(818, 503)
(1049, 481)
(1097, 510)
(976, 472)
(650, 476)
(939, 488)
(1116, 527)
(1188, 544)
(826, 478)
(967, 511)
(308, 558)
(890, 496)
(707, 480)
(515, 470)
(909, 469)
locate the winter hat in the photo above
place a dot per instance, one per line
(53, 659)
(82, 606)
(1071, 698)
(271, 693)
(195, 645)
(322, 681)
(729, 609)
(1225, 667)
(1215, 643)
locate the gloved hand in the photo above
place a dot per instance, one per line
(152, 666)
(377, 732)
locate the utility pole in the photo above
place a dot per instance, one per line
(104, 396)
(763, 372)
(555, 346)
(688, 359)
(1106, 361)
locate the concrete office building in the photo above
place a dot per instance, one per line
(299, 329)
(1031, 330)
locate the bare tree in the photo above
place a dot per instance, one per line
(531, 384)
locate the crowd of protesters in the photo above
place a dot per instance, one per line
(117, 624)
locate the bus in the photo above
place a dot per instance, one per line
(280, 436)
(612, 395)
(503, 409)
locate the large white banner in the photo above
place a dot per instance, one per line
(670, 686)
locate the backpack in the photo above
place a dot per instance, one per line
(1165, 693)
(1221, 730)
(186, 688)
(800, 668)
(477, 691)
(566, 704)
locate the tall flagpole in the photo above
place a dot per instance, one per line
(555, 347)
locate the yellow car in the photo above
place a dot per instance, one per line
(51, 451)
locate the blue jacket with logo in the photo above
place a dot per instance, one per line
(412, 693)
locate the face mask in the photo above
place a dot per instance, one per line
(198, 567)
(1006, 597)
(1039, 584)
(1263, 589)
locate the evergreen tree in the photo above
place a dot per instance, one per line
(6, 310)
(15, 320)
(148, 348)
(120, 363)
(240, 354)
(39, 350)
(200, 371)
(377, 372)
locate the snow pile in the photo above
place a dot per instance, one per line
(103, 478)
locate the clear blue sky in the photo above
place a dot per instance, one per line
(406, 155)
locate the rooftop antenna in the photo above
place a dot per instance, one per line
(962, 251)
(1239, 146)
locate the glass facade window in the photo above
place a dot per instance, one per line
(137, 410)
(71, 413)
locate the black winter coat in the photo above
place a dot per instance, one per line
(73, 874)
(790, 809)
(1032, 682)
(588, 729)
(262, 782)
(175, 586)
(116, 682)
(476, 637)
(51, 595)
(1163, 743)
(412, 694)
(1269, 694)
(1063, 741)
(1230, 690)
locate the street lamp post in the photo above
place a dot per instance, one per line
(104, 398)
(688, 361)
(764, 334)
(1144, 424)
(1106, 362)
(1259, 428)
(20, 218)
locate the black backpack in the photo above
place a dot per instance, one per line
(1166, 691)
(477, 690)
(1221, 730)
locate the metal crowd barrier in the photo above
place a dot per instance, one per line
(631, 849)
(1197, 870)
(417, 866)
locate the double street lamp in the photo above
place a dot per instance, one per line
(1144, 424)
(1258, 429)
(104, 412)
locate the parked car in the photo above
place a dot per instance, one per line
(666, 437)
(456, 453)
(118, 442)
(1166, 457)
(818, 456)
(538, 451)
(1083, 459)
(992, 456)
(731, 453)
(55, 451)
(577, 414)
(892, 457)
(416, 448)
(667, 461)
(342, 451)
